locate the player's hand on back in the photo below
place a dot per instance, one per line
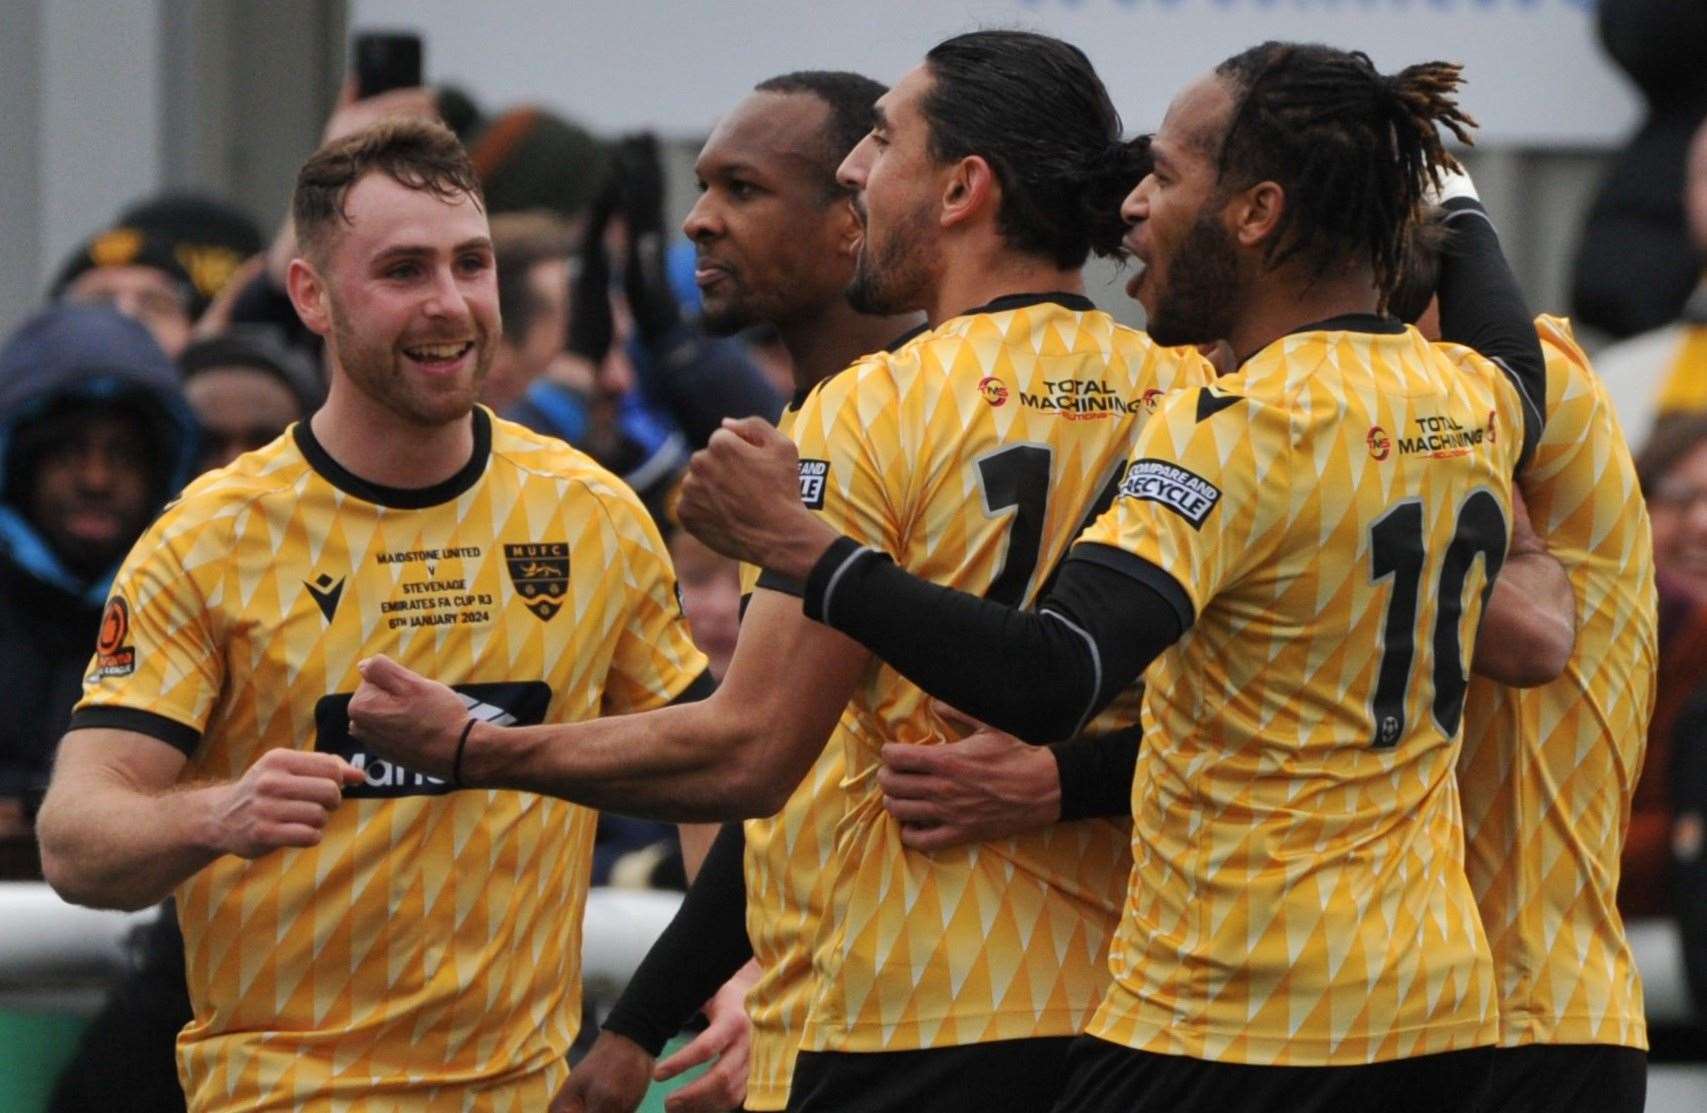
(989, 785)
(283, 800)
(406, 717)
(741, 496)
(612, 1078)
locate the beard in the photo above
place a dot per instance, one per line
(378, 372)
(891, 274)
(1202, 295)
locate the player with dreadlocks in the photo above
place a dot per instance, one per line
(1300, 557)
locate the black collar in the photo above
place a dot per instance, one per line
(1345, 322)
(1079, 303)
(399, 498)
(1355, 322)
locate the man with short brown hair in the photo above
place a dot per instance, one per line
(359, 935)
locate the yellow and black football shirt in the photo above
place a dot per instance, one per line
(426, 955)
(1547, 773)
(1326, 521)
(785, 866)
(974, 453)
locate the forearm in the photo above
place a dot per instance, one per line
(703, 947)
(1482, 307)
(107, 845)
(692, 763)
(1528, 628)
(1039, 675)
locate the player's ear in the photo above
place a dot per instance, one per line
(1255, 213)
(969, 188)
(308, 294)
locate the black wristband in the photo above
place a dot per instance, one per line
(461, 744)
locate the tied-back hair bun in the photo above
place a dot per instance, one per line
(1105, 182)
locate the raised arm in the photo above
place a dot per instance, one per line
(1038, 674)
(117, 832)
(1482, 306)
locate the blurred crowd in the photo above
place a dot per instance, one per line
(166, 346)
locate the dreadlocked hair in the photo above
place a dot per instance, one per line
(1355, 150)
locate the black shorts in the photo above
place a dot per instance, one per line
(1006, 1076)
(1108, 1078)
(1551, 1077)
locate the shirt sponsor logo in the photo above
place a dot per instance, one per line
(1440, 437)
(1084, 399)
(540, 575)
(522, 703)
(112, 656)
(1380, 444)
(813, 474)
(1179, 489)
(993, 390)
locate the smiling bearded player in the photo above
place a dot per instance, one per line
(357, 935)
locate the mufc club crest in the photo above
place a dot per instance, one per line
(540, 574)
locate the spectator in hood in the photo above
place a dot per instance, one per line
(94, 438)
(138, 274)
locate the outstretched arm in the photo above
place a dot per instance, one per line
(735, 754)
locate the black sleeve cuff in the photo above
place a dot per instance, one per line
(180, 737)
(1096, 774)
(1152, 576)
(701, 687)
(827, 573)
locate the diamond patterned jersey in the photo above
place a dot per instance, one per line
(1329, 516)
(785, 865)
(426, 955)
(972, 454)
(1547, 773)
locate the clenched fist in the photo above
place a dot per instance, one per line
(284, 799)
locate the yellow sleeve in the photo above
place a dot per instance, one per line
(849, 438)
(158, 667)
(1199, 500)
(655, 659)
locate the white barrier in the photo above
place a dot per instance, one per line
(52, 953)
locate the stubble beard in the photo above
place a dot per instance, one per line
(890, 275)
(378, 373)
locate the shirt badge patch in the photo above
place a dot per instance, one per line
(112, 656)
(813, 473)
(540, 575)
(1179, 489)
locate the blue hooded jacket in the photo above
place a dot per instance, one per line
(50, 615)
(72, 353)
